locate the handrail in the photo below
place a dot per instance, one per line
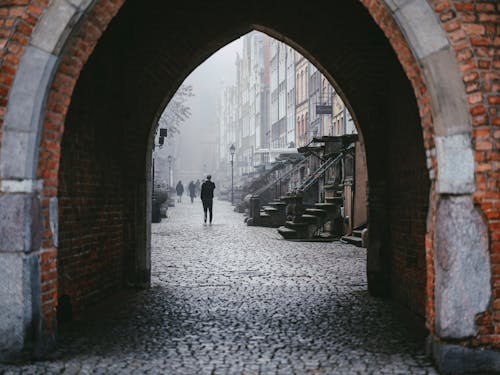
(318, 173)
(274, 182)
(264, 176)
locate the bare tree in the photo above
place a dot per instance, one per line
(177, 111)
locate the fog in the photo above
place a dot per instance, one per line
(193, 148)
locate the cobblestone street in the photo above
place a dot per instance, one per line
(232, 299)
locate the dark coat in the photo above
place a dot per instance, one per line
(192, 189)
(179, 188)
(207, 190)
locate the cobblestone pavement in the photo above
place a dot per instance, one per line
(232, 299)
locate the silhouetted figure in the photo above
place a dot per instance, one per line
(180, 190)
(198, 186)
(207, 197)
(192, 190)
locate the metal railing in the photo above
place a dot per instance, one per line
(277, 182)
(320, 172)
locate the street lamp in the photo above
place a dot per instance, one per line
(232, 149)
(169, 158)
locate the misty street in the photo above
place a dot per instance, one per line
(233, 299)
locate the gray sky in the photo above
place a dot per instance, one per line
(196, 141)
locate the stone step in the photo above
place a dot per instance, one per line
(326, 206)
(353, 240)
(270, 210)
(357, 233)
(335, 200)
(326, 236)
(310, 219)
(287, 233)
(316, 211)
(277, 204)
(295, 225)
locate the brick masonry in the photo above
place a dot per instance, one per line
(472, 28)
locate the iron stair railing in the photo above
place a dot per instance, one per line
(319, 173)
(277, 181)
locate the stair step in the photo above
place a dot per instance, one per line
(311, 219)
(287, 233)
(326, 206)
(292, 225)
(357, 233)
(316, 211)
(335, 200)
(352, 240)
(269, 209)
(277, 204)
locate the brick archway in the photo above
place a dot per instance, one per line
(43, 88)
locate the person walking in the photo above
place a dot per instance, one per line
(180, 190)
(197, 186)
(192, 190)
(207, 198)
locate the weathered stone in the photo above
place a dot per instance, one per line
(20, 223)
(29, 89)
(23, 117)
(449, 109)
(54, 219)
(81, 4)
(456, 359)
(21, 186)
(17, 155)
(455, 164)
(54, 26)
(421, 27)
(462, 267)
(394, 5)
(19, 293)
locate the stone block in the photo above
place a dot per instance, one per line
(447, 91)
(20, 223)
(394, 5)
(54, 219)
(456, 359)
(54, 26)
(420, 26)
(18, 155)
(455, 163)
(19, 293)
(462, 267)
(21, 186)
(81, 4)
(27, 95)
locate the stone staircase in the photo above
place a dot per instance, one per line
(273, 214)
(310, 223)
(355, 239)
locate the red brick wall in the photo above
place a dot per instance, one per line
(17, 20)
(413, 72)
(91, 211)
(408, 197)
(89, 244)
(473, 28)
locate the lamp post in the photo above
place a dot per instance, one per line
(232, 149)
(169, 158)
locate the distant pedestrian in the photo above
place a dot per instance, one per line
(198, 186)
(207, 198)
(192, 190)
(180, 190)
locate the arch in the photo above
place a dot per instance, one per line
(422, 48)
